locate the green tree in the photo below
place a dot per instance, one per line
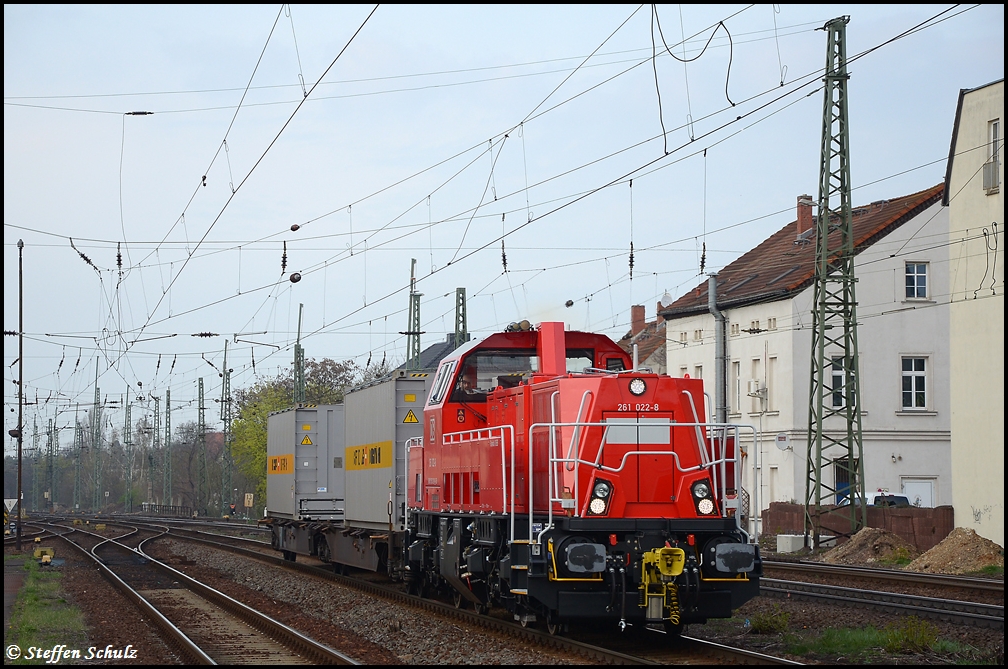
(249, 446)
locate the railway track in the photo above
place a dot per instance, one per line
(886, 575)
(202, 624)
(949, 610)
(618, 649)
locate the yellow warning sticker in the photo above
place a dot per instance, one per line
(409, 397)
(306, 441)
(306, 427)
(410, 417)
(281, 464)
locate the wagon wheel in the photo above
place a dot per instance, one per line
(553, 626)
(457, 599)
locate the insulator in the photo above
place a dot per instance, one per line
(631, 261)
(283, 260)
(703, 258)
(119, 256)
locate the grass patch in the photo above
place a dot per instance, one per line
(774, 621)
(900, 558)
(41, 616)
(989, 570)
(850, 644)
(909, 636)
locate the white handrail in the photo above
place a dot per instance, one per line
(699, 435)
(719, 459)
(576, 437)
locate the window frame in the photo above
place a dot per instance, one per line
(441, 383)
(916, 276)
(837, 371)
(914, 375)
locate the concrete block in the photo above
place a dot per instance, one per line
(790, 543)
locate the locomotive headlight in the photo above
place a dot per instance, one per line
(637, 386)
(600, 498)
(703, 499)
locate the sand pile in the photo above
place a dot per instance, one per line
(963, 551)
(869, 546)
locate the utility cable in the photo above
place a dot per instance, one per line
(254, 166)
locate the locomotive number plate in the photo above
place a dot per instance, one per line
(638, 407)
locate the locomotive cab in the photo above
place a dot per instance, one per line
(554, 480)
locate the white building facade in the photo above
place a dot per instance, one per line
(766, 297)
(974, 195)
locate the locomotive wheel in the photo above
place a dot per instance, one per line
(553, 626)
(673, 631)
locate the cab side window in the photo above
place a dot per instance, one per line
(441, 383)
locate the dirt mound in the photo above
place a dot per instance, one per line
(963, 551)
(871, 545)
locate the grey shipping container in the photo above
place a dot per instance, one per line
(304, 462)
(380, 418)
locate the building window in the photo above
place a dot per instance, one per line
(682, 337)
(698, 372)
(683, 373)
(771, 324)
(992, 168)
(754, 327)
(771, 382)
(845, 471)
(735, 329)
(916, 280)
(697, 335)
(737, 385)
(914, 383)
(838, 389)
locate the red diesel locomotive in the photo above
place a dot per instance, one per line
(560, 495)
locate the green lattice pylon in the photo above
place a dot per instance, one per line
(835, 468)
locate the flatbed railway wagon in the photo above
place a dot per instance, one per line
(335, 474)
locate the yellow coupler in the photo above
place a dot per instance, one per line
(658, 592)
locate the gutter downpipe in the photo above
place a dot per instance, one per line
(720, 368)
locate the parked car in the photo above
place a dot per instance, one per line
(898, 501)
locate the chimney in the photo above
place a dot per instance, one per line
(804, 215)
(636, 318)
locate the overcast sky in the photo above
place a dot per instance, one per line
(426, 133)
